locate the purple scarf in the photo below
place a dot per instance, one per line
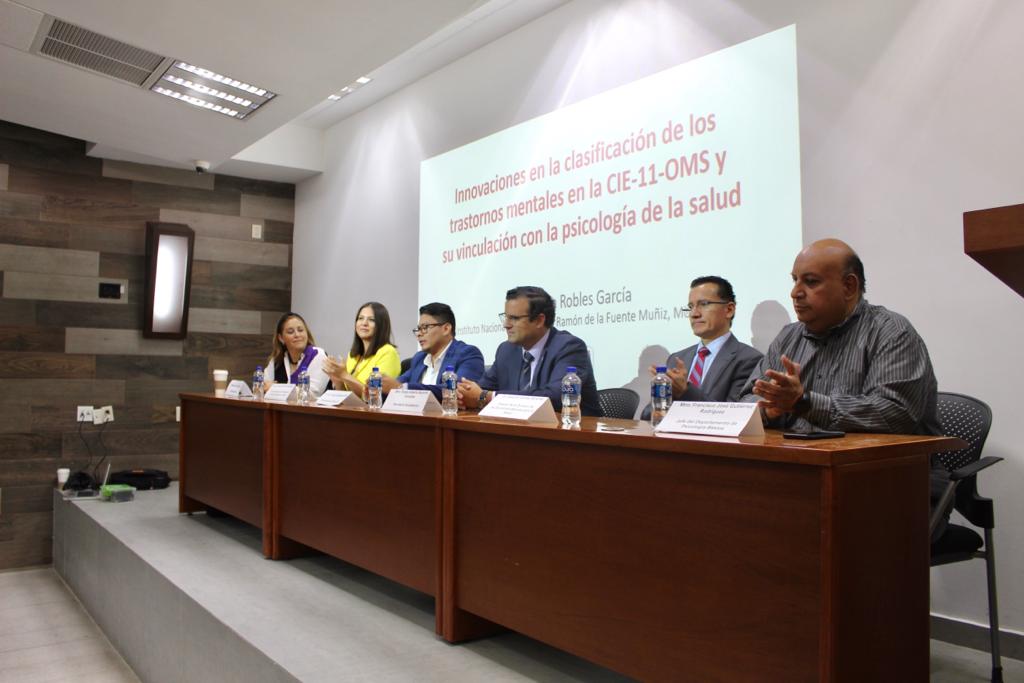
(307, 357)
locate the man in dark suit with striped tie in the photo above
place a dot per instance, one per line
(716, 368)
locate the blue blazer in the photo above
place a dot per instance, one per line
(466, 358)
(561, 351)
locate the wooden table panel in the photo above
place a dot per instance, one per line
(665, 557)
(222, 457)
(662, 566)
(362, 487)
(878, 618)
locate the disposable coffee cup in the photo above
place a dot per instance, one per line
(62, 476)
(220, 382)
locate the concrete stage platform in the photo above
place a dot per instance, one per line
(192, 599)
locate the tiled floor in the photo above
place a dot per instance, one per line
(45, 635)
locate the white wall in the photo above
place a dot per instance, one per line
(910, 115)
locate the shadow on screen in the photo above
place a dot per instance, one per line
(767, 320)
(641, 384)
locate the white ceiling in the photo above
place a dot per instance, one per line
(303, 51)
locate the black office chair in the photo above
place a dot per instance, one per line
(406, 362)
(618, 402)
(969, 419)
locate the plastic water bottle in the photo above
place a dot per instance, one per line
(257, 384)
(303, 388)
(661, 394)
(374, 390)
(572, 388)
(449, 396)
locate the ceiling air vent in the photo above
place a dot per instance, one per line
(88, 50)
(194, 85)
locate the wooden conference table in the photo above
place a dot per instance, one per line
(667, 558)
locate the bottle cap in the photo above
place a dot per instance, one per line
(661, 369)
(259, 367)
(376, 369)
(571, 368)
(449, 368)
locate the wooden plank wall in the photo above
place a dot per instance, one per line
(68, 221)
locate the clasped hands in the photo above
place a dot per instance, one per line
(678, 375)
(341, 378)
(780, 391)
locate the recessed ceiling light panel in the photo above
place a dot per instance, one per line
(350, 88)
(210, 90)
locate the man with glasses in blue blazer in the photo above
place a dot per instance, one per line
(439, 348)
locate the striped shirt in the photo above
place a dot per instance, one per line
(870, 373)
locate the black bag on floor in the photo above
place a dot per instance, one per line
(141, 479)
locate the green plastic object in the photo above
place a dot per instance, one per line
(117, 492)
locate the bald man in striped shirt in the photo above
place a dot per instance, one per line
(846, 364)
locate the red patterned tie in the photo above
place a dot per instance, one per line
(697, 373)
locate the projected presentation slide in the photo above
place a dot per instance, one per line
(614, 204)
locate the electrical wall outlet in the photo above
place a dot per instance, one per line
(107, 413)
(257, 231)
(84, 414)
(177, 413)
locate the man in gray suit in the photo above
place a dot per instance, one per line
(716, 368)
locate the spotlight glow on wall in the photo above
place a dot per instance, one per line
(169, 273)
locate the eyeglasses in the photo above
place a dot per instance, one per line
(701, 305)
(424, 328)
(513, 319)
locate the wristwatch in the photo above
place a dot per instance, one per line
(802, 405)
(482, 401)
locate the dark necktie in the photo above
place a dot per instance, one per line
(697, 373)
(524, 374)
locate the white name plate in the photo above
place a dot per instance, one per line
(712, 419)
(414, 401)
(238, 389)
(516, 407)
(337, 397)
(280, 393)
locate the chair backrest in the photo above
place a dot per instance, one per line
(967, 418)
(618, 402)
(406, 364)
